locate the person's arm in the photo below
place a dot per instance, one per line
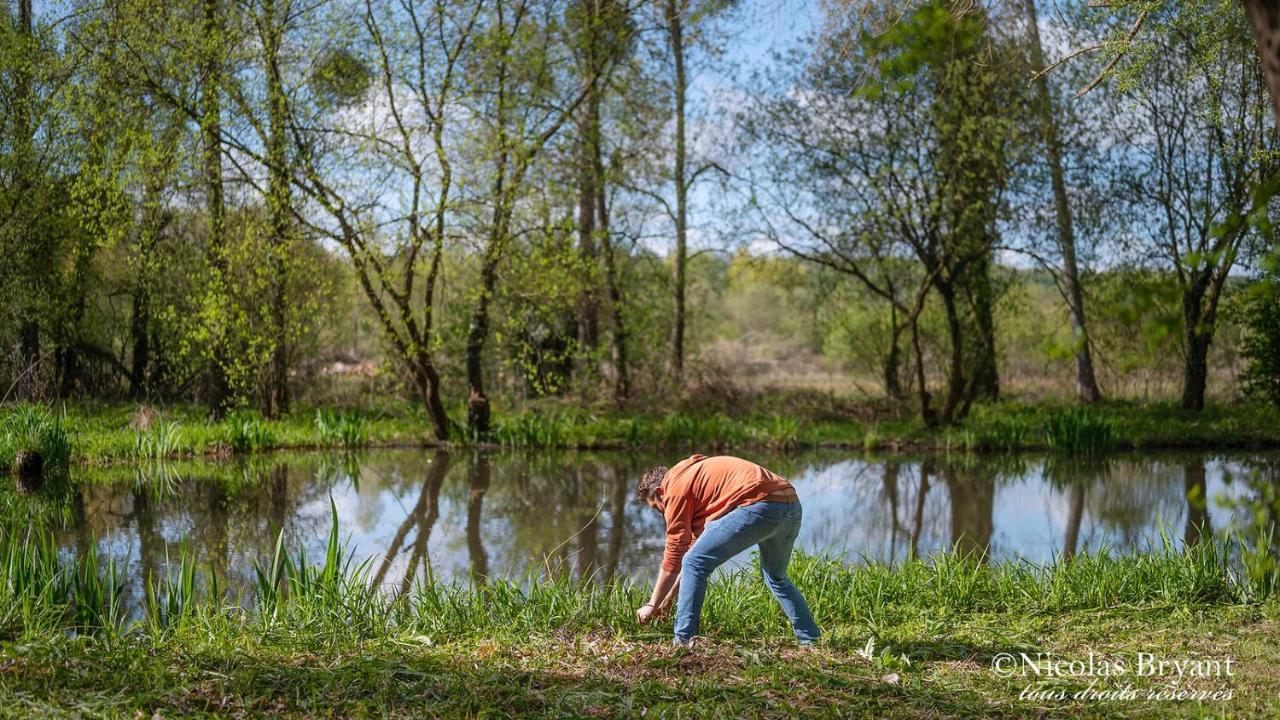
(665, 604)
(678, 512)
(662, 587)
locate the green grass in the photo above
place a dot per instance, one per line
(95, 433)
(35, 428)
(346, 430)
(912, 639)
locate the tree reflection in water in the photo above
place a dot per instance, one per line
(477, 486)
(505, 514)
(423, 516)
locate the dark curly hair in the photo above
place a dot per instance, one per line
(649, 482)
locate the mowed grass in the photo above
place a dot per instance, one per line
(915, 639)
(105, 433)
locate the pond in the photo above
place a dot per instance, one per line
(464, 515)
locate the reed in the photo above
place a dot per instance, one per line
(1079, 430)
(159, 442)
(248, 432)
(342, 429)
(43, 592)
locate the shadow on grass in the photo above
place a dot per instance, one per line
(450, 681)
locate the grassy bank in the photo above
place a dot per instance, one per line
(102, 434)
(918, 639)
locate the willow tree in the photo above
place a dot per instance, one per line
(1199, 130)
(889, 158)
(381, 183)
(519, 97)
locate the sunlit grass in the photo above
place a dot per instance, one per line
(43, 592)
(102, 434)
(314, 636)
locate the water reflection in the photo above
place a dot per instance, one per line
(476, 516)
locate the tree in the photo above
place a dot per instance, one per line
(521, 102)
(891, 145)
(681, 21)
(674, 16)
(602, 38)
(1193, 173)
(212, 50)
(270, 21)
(25, 246)
(1087, 390)
(417, 87)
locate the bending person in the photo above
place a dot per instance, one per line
(716, 507)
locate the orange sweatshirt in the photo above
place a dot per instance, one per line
(704, 488)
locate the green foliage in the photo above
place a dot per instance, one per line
(97, 593)
(298, 596)
(909, 50)
(1262, 343)
(1004, 433)
(36, 587)
(341, 77)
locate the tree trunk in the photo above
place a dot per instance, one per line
(279, 201)
(153, 222)
(28, 384)
(478, 485)
(478, 412)
(588, 180)
(1264, 16)
(140, 335)
(927, 415)
(428, 381)
(1196, 370)
(621, 372)
(893, 358)
(986, 374)
(957, 386)
(1199, 331)
(218, 390)
(675, 32)
(1087, 390)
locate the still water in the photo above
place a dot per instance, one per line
(464, 515)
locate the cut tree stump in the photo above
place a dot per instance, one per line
(29, 467)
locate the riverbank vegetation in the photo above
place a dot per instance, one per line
(103, 434)
(315, 636)
(906, 213)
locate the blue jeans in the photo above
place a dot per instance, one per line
(774, 527)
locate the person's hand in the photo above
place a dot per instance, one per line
(644, 614)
